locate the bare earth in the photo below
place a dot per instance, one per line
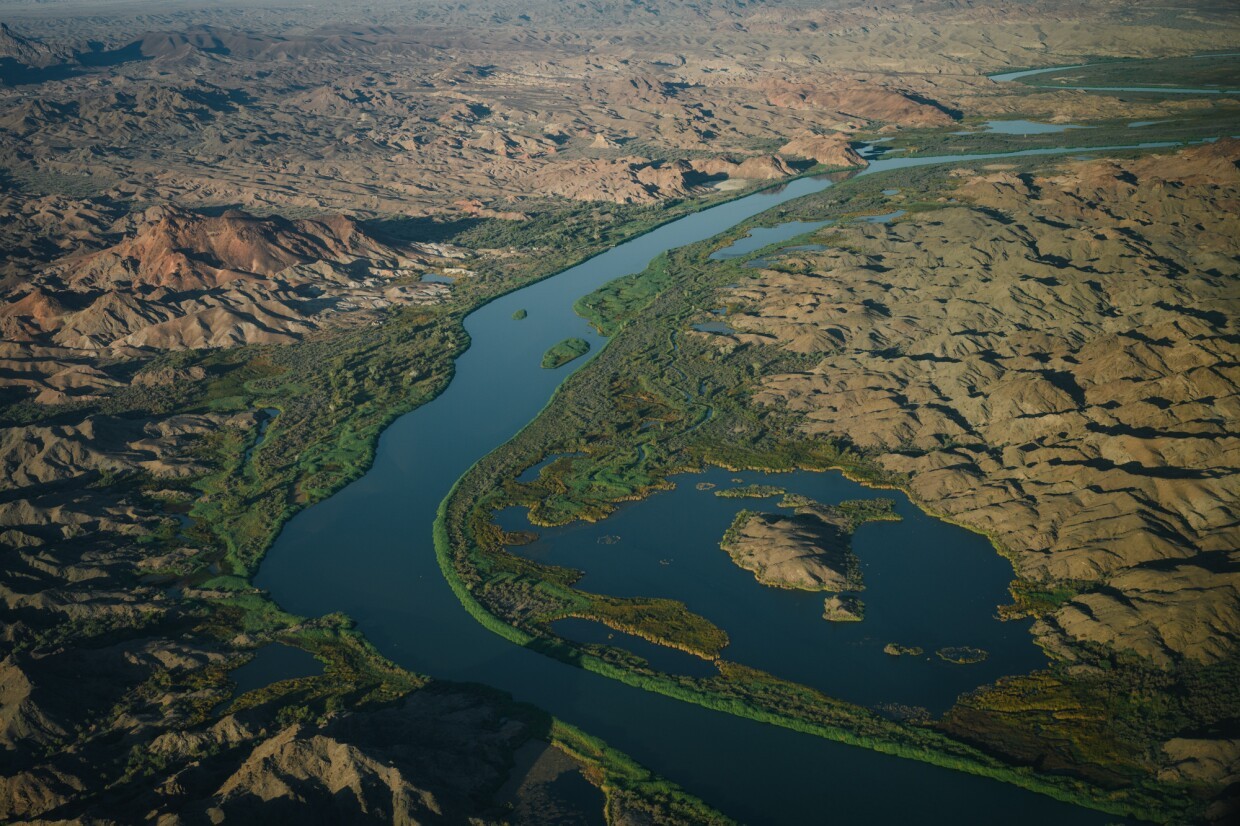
(1062, 380)
(801, 551)
(1051, 360)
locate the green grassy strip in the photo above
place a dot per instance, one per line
(620, 772)
(1137, 801)
(976, 763)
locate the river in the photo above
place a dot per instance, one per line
(367, 552)
(1004, 77)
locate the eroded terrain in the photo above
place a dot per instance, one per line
(1040, 351)
(1063, 380)
(238, 245)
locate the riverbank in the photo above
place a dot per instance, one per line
(572, 493)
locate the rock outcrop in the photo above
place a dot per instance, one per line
(623, 180)
(800, 551)
(844, 98)
(1048, 361)
(832, 150)
(179, 279)
(763, 167)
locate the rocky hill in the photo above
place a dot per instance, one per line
(1062, 378)
(176, 279)
(1050, 359)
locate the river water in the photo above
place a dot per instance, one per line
(1004, 77)
(367, 552)
(926, 584)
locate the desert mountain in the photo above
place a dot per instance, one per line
(179, 279)
(180, 250)
(846, 99)
(1057, 380)
(829, 150)
(26, 51)
(1048, 358)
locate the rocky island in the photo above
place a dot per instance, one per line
(242, 243)
(810, 550)
(843, 609)
(799, 551)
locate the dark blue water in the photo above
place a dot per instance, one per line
(367, 552)
(264, 417)
(531, 473)
(927, 584)
(273, 663)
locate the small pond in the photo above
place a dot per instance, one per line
(273, 663)
(719, 327)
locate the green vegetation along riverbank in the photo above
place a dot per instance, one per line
(660, 399)
(182, 547)
(1199, 71)
(1212, 117)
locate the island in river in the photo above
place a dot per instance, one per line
(810, 550)
(798, 551)
(850, 353)
(565, 351)
(183, 257)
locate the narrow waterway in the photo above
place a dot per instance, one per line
(1004, 77)
(367, 552)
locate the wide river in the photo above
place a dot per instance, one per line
(367, 552)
